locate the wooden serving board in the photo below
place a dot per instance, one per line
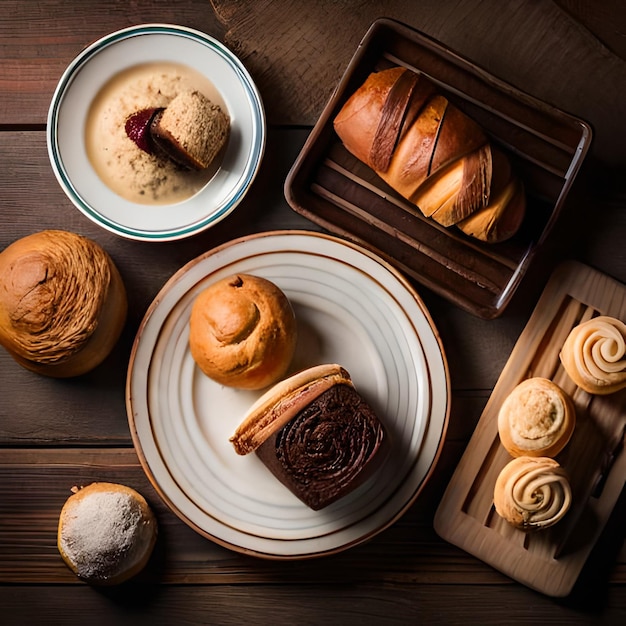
(551, 560)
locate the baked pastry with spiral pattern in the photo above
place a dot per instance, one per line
(594, 355)
(315, 433)
(63, 304)
(532, 493)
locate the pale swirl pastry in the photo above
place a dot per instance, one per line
(594, 355)
(106, 533)
(532, 493)
(62, 303)
(536, 419)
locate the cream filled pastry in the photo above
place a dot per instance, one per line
(532, 493)
(594, 355)
(106, 533)
(536, 419)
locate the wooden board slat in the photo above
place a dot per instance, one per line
(549, 561)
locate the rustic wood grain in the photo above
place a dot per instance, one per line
(34, 484)
(38, 40)
(308, 604)
(526, 49)
(54, 434)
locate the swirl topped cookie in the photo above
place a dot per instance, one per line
(532, 493)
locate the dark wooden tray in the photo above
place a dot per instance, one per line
(551, 560)
(333, 189)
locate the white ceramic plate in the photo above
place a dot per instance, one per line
(93, 68)
(353, 309)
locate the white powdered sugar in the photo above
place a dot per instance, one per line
(102, 534)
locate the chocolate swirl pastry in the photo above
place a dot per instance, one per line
(322, 451)
(62, 303)
(532, 493)
(594, 355)
(315, 433)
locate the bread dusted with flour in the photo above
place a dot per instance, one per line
(106, 533)
(432, 154)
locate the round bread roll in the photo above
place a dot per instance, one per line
(594, 355)
(532, 493)
(242, 332)
(62, 303)
(106, 533)
(536, 419)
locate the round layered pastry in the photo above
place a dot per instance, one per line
(532, 493)
(315, 433)
(242, 332)
(62, 303)
(594, 355)
(106, 533)
(536, 419)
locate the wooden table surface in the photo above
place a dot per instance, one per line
(58, 433)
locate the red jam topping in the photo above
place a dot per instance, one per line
(138, 128)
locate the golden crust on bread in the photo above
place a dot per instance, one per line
(62, 303)
(536, 419)
(432, 154)
(242, 332)
(532, 493)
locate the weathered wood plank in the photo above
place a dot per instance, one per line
(34, 484)
(309, 604)
(525, 48)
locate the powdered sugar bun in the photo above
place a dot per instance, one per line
(106, 533)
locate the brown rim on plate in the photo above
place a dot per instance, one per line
(352, 307)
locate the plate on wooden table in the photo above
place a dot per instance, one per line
(550, 560)
(158, 60)
(352, 308)
(545, 145)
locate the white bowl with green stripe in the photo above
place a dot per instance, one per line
(100, 62)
